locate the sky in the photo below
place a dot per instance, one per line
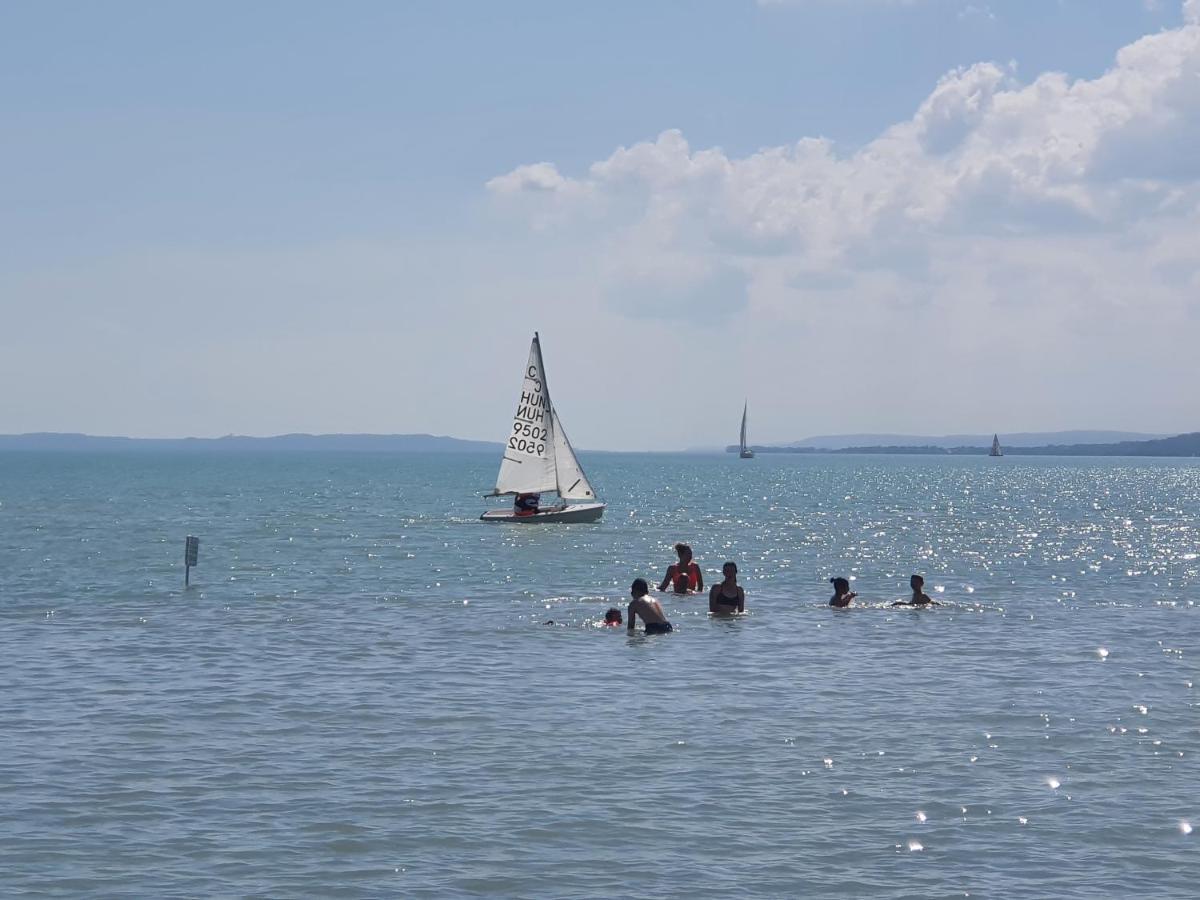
(910, 216)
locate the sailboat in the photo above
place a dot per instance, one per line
(746, 453)
(538, 457)
(996, 451)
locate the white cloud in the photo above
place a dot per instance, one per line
(981, 152)
(541, 176)
(1014, 223)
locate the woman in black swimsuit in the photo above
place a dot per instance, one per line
(728, 597)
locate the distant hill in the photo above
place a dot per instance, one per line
(1179, 445)
(283, 443)
(1020, 439)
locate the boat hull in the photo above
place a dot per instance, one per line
(747, 454)
(572, 513)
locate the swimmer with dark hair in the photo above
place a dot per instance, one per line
(919, 597)
(613, 617)
(648, 608)
(842, 595)
(686, 569)
(728, 597)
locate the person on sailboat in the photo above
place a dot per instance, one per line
(728, 597)
(685, 571)
(919, 597)
(526, 504)
(648, 608)
(842, 595)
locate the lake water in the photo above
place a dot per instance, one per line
(357, 696)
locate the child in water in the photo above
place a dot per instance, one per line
(842, 595)
(613, 617)
(648, 608)
(919, 597)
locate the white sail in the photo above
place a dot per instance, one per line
(529, 449)
(744, 407)
(572, 483)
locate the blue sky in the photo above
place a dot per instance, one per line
(272, 217)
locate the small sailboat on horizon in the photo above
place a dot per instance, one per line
(746, 452)
(996, 451)
(538, 458)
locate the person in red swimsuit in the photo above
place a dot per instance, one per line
(687, 569)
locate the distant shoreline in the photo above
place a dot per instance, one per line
(1182, 445)
(286, 443)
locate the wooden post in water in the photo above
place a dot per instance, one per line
(191, 550)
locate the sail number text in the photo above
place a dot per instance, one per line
(516, 443)
(528, 438)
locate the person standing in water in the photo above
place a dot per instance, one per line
(842, 595)
(684, 572)
(919, 597)
(648, 608)
(728, 597)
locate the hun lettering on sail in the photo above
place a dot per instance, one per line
(528, 462)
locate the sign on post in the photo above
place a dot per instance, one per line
(191, 552)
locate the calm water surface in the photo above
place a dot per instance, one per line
(357, 697)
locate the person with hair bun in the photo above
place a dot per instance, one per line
(842, 595)
(684, 575)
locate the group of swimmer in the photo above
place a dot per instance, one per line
(725, 599)
(842, 595)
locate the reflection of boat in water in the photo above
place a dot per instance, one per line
(996, 451)
(539, 458)
(746, 452)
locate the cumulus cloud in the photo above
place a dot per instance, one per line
(541, 176)
(983, 154)
(1043, 227)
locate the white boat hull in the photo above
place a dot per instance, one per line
(570, 514)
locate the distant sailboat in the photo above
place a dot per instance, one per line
(539, 458)
(996, 451)
(746, 452)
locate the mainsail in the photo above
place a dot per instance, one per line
(537, 455)
(528, 463)
(744, 408)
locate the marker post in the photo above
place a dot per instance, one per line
(191, 551)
